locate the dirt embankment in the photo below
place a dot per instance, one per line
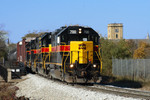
(8, 92)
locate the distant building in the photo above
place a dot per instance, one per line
(147, 36)
(115, 31)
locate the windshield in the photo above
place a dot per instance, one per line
(75, 37)
(79, 37)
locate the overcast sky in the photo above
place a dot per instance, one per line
(22, 16)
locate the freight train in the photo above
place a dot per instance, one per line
(70, 54)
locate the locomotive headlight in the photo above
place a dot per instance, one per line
(17, 70)
(71, 66)
(13, 70)
(80, 30)
(94, 66)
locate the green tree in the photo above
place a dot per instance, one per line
(132, 46)
(113, 48)
(107, 50)
(3, 48)
(12, 46)
(122, 50)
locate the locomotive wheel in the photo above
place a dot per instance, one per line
(49, 75)
(37, 70)
(74, 80)
(95, 78)
(85, 80)
(63, 76)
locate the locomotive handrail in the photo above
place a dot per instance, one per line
(30, 63)
(35, 60)
(63, 56)
(81, 56)
(45, 59)
(100, 59)
(65, 63)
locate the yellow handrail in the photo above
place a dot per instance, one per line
(45, 60)
(65, 63)
(43, 66)
(100, 59)
(35, 60)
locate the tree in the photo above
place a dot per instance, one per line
(33, 34)
(2, 38)
(12, 46)
(3, 48)
(143, 51)
(113, 48)
(30, 35)
(122, 50)
(107, 50)
(132, 46)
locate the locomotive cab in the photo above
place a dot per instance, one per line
(83, 63)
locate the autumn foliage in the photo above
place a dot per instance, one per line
(143, 51)
(122, 49)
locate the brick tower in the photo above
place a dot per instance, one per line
(115, 31)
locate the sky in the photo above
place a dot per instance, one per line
(20, 17)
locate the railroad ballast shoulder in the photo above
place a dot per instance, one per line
(70, 54)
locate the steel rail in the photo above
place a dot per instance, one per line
(125, 92)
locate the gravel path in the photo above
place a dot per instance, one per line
(38, 88)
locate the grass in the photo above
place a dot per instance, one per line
(146, 86)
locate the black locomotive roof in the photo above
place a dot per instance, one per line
(44, 35)
(62, 29)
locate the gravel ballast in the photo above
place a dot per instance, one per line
(39, 88)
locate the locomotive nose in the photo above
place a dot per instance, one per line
(81, 51)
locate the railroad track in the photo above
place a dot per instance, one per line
(126, 92)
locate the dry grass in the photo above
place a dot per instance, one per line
(145, 86)
(7, 92)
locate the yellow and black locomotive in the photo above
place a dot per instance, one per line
(70, 54)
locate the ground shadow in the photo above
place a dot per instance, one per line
(28, 70)
(125, 83)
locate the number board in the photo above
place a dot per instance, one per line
(73, 31)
